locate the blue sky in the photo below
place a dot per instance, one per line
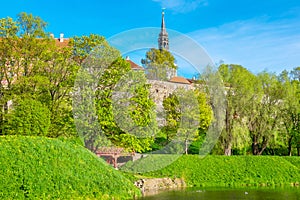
(258, 34)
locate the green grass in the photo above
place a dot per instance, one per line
(223, 170)
(294, 160)
(43, 168)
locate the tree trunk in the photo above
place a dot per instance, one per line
(290, 146)
(227, 150)
(186, 147)
(298, 151)
(255, 145)
(262, 149)
(228, 127)
(264, 145)
(255, 149)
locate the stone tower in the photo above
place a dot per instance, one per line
(163, 39)
(163, 44)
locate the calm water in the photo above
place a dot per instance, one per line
(228, 194)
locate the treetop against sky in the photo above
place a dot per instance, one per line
(256, 34)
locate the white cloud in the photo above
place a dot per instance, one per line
(257, 44)
(182, 6)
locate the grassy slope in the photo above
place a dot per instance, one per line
(42, 168)
(224, 170)
(294, 160)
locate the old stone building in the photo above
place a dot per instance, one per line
(159, 89)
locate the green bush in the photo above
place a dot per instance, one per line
(195, 146)
(28, 117)
(223, 170)
(43, 168)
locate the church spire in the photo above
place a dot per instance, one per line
(163, 40)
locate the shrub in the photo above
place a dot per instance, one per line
(28, 117)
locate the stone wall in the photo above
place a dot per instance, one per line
(159, 90)
(153, 185)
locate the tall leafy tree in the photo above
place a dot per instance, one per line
(82, 46)
(103, 69)
(20, 55)
(31, 26)
(291, 108)
(239, 83)
(159, 64)
(171, 107)
(60, 72)
(264, 111)
(186, 119)
(34, 67)
(125, 110)
(94, 55)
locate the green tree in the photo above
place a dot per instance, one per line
(159, 64)
(295, 74)
(31, 26)
(239, 83)
(83, 45)
(125, 110)
(264, 111)
(33, 66)
(60, 72)
(92, 92)
(188, 116)
(171, 107)
(8, 27)
(20, 56)
(205, 111)
(291, 108)
(98, 86)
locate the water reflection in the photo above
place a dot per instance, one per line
(287, 193)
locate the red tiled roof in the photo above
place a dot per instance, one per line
(179, 79)
(65, 43)
(134, 65)
(191, 80)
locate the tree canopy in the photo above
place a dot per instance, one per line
(159, 64)
(37, 95)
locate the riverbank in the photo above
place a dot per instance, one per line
(150, 186)
(37, 167)
(222, 171)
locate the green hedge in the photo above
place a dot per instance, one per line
(223, 170)
(43, 168)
